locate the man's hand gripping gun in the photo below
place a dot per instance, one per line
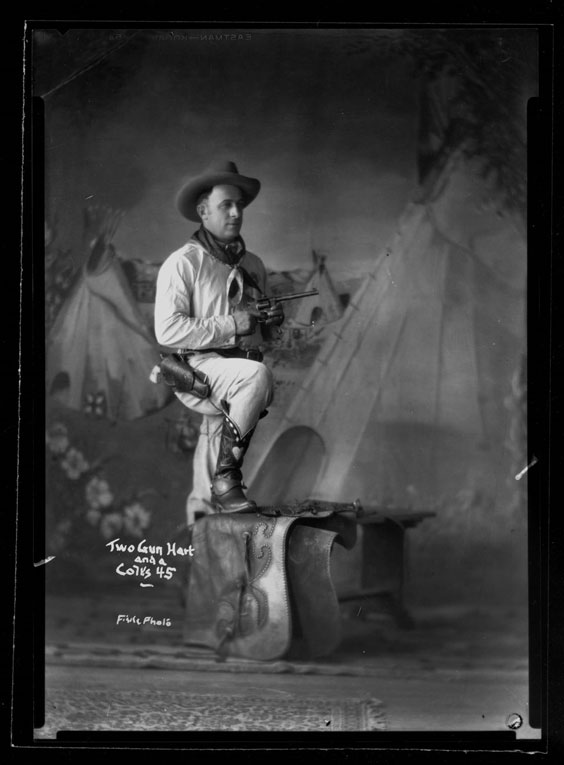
(178, 374)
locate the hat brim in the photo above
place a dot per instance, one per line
(188, 195)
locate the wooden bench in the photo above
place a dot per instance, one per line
(379, 557)
(383, 562)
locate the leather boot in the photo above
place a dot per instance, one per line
(227, 493)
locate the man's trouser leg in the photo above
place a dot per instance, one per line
(245, 389)
(203, 466)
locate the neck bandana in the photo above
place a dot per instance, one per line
(230, 254)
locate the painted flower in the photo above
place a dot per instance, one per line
(74, 463)
(93, 516)
(57, 438)
(135, 518)
(110, 525)
(98, 493)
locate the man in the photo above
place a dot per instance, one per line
(204, 311)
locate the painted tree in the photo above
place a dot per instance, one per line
(474, 86)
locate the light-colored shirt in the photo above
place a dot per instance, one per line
(192, 308)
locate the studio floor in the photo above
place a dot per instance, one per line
(459, 668)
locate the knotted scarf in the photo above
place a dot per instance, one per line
(231, 255)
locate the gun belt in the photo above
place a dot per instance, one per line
(254, 354)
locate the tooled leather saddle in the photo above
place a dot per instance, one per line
(260, 584)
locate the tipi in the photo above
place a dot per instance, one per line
(99, 351)
(408, 388)
(411, 391)
(324, 308)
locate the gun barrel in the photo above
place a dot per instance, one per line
(295, 296)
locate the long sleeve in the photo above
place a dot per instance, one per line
(190, 312)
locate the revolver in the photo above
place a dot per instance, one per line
(268, 303)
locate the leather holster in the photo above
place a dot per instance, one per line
(180, 376)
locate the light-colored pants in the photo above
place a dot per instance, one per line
(247, 386)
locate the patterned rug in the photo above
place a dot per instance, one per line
(88, 710)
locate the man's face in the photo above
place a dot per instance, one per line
(222, 214)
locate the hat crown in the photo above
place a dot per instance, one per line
(223, 167)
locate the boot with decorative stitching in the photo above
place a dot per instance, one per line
(227, 493)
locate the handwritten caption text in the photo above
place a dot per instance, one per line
(149, 559)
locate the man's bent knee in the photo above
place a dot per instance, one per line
(264, 376)
(254, 375)
(263, 383)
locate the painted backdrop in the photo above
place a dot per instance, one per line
(373, 167)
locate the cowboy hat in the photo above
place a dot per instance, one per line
(218, 174)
